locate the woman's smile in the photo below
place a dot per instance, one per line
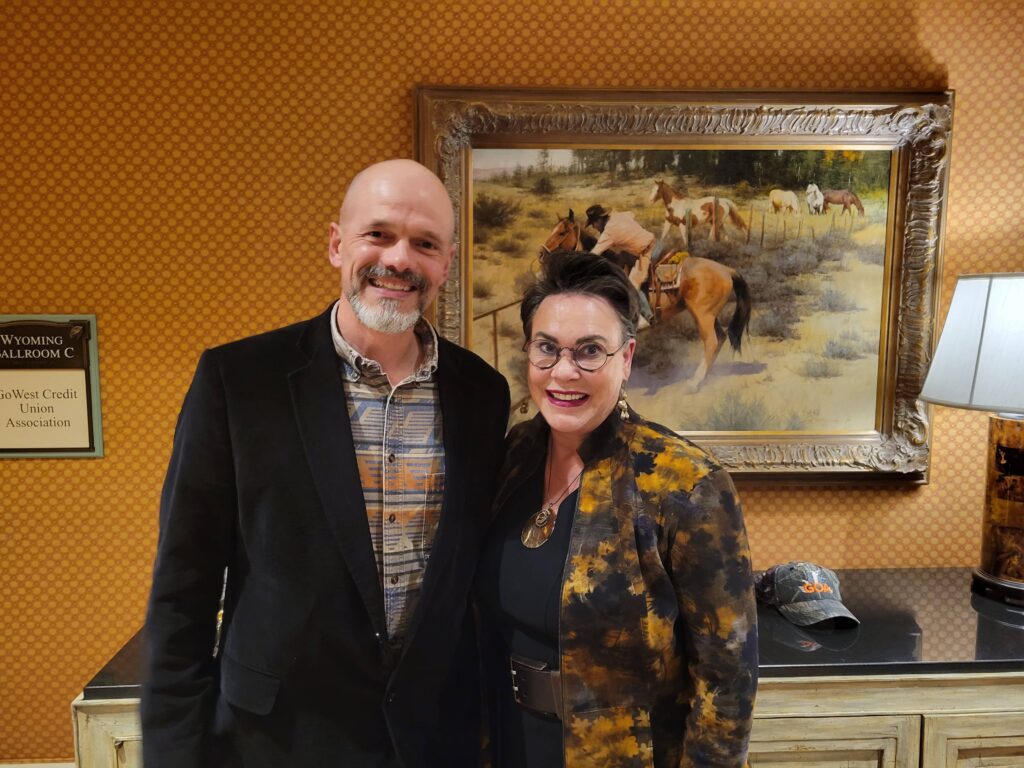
(562, 399)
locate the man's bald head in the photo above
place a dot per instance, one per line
(407, 177)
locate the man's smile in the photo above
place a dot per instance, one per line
(388, 280)
(391, 285)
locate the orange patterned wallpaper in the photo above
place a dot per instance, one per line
(172, 166)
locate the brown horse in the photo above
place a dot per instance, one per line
(565, 237)
(843, 197)
(702, 287)
(686, 212)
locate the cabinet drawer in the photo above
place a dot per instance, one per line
(836, 742)
(991, 740)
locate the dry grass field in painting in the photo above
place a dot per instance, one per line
(810, 361)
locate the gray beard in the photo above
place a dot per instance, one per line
(385, 318)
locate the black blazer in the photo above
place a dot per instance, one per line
(263, 482)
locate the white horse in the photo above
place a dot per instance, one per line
(815, 199)
(682, 212)
(781, 201)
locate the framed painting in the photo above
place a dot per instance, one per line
(820, 216)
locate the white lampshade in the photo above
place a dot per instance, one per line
(979, 362)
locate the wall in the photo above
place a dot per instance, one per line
(172, 167)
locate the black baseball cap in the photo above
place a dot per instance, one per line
(804, 593)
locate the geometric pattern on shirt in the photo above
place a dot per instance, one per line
(399, 446)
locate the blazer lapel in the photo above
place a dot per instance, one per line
(319, 402)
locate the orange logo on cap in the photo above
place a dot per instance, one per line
(815, 586)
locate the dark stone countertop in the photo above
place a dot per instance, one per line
(913, 621)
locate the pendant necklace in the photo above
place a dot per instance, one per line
(541, 524)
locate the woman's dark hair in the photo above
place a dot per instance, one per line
(586, 274)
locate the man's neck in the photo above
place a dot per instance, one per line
(397, 353)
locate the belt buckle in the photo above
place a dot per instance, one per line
(519, 682)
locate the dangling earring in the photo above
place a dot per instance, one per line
(623, 408)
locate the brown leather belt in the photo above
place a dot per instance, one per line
(535, 686)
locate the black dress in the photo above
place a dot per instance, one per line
(519, 591)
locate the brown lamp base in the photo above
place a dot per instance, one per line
(1011, 592)
(1000, 572)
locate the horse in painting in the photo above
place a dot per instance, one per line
(815, 200)
(686, 212)
(843, 197)
(781, 201)
(700, 286)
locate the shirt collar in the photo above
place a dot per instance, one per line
(355, 365)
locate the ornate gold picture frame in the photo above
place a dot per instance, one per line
(825, 209)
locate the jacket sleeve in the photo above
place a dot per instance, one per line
(714, 586)
(197, 510)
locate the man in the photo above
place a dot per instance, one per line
(620, 231)
(338, 471)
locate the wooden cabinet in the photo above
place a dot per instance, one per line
(107, 733)
(905, 721)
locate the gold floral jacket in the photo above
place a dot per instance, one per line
(657, 625)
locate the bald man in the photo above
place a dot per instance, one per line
(331, 480)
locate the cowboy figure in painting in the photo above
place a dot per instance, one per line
(620, 231)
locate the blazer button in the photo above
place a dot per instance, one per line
(390, 698)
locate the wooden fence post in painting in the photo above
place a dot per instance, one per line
(714, 218)
(751, 218)
(763, 214)
(494, 325)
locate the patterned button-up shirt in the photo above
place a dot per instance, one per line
(398, 444)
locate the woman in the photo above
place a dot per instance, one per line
(615, 587)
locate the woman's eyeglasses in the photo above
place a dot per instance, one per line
(588, 356)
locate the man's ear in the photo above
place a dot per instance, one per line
(333, 244)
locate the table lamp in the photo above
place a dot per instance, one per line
(979, 364)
